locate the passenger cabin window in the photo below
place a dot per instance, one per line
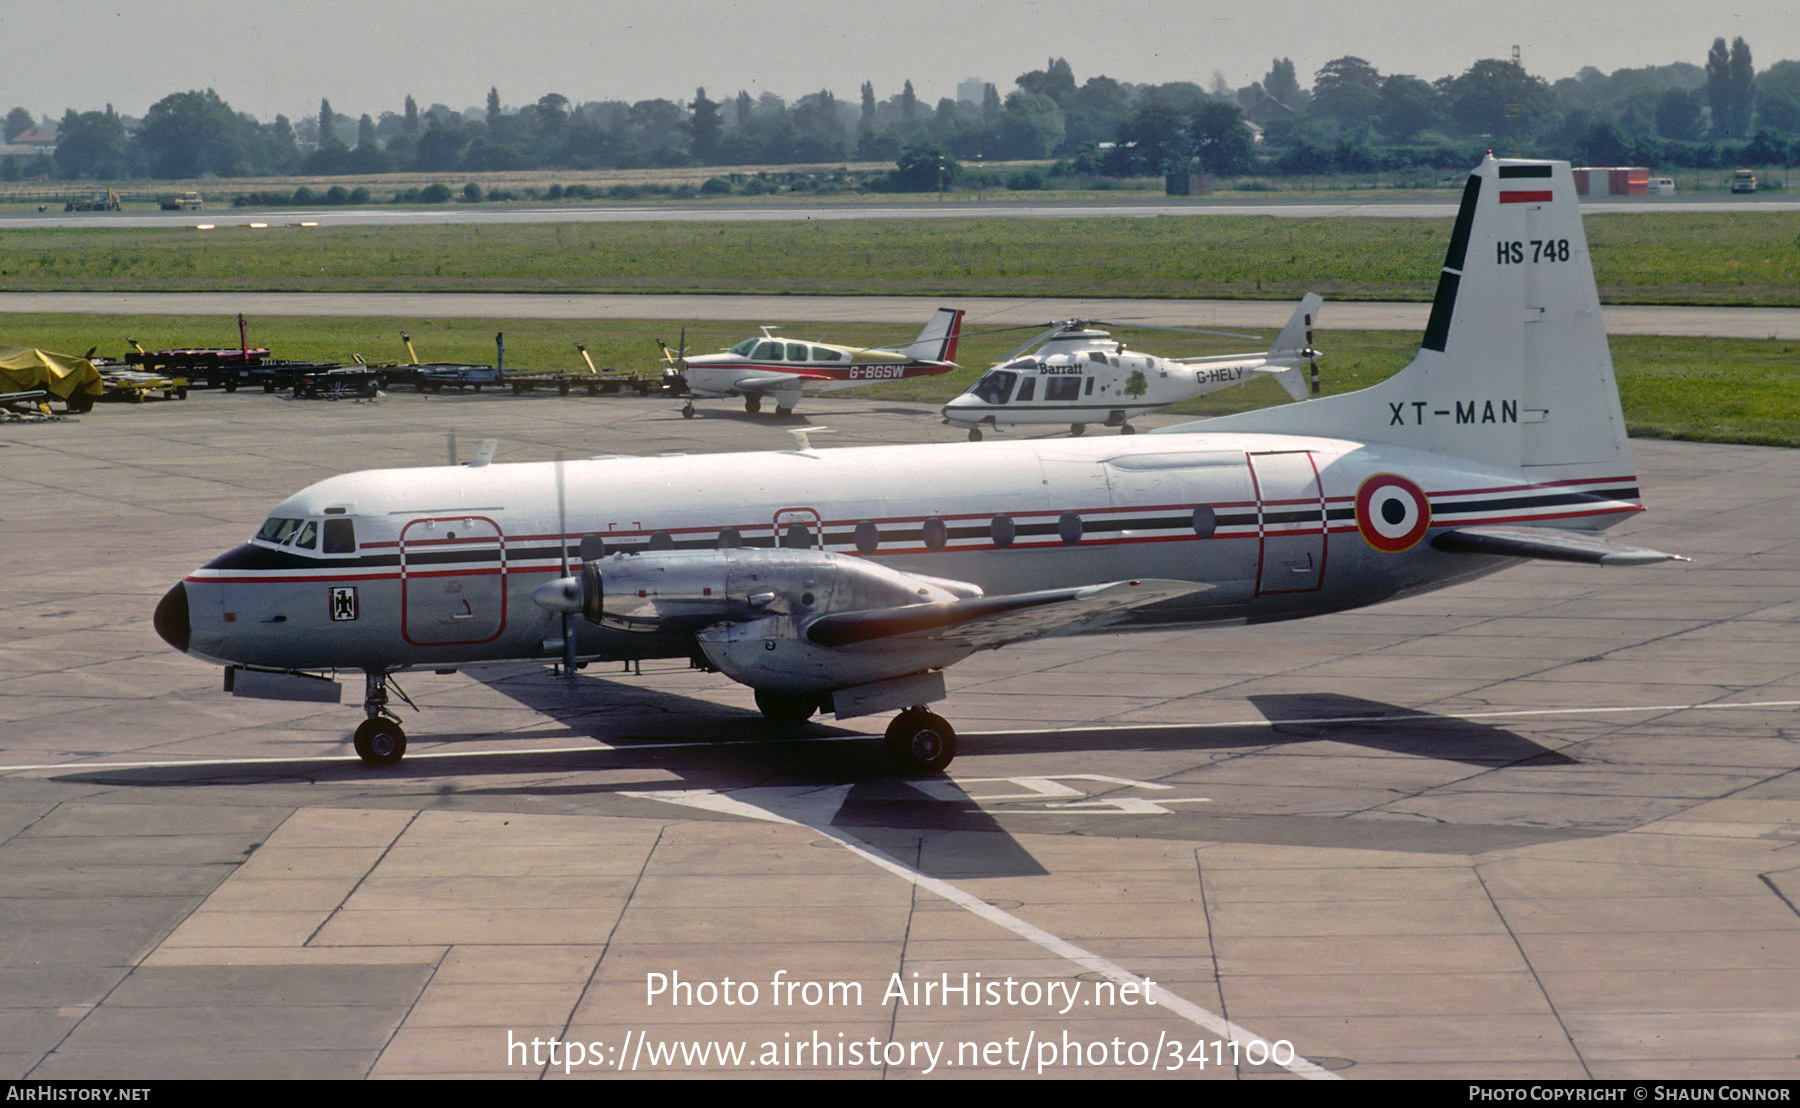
(1027, 389)
(796, 352)
(826, 354)
(1062, 388)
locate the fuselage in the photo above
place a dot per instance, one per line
(424, 568)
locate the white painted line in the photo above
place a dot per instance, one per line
(814, 809)
(1511, 713)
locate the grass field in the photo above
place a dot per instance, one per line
(1716, 390)
(1744, 258)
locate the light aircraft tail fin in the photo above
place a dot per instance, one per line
(1295, 344)
(937, 342)
(1514, 368)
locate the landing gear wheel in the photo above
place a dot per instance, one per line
(780, 707)
(1078, 429)
(919, 741)
(782, 412)
(1128, 429)
(380, 742)
(974, 434)
(687, 411)
(753, 404)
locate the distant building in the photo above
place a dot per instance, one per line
(971, 91)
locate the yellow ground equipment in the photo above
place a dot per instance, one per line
(72, 380)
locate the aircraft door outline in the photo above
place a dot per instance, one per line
(461, 606)
(1290, 521)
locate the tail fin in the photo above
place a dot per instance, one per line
(1295, 344)
(1514, 368)
(937, 342)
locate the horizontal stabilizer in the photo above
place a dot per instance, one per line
(991, 621)
(1549, 544)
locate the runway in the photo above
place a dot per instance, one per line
(1746, 323)
(995, 205)
(1539, 826)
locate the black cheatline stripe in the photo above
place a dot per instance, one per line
(1549, 500)
(1508, 171)
(1292, 517)
(257, 557)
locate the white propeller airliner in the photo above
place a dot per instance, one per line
(848, 580)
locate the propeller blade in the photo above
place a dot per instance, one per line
(562, 556)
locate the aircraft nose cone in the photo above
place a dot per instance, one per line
(171, 617)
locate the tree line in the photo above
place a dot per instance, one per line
(1352, 118)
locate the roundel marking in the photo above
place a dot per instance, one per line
(1391, 512)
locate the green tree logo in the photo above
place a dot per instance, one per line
(1135, 385)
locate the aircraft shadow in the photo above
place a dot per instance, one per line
(708, 746)
(1301, 718)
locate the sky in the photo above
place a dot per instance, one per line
(267, 58)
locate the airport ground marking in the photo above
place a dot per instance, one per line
(814, 809)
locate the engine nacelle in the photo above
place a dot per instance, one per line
(687, 590)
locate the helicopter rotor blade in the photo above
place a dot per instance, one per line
(1165, 327)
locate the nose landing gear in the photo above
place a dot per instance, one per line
(380, 740)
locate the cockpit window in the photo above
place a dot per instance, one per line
(279, 530)
(303, 534)
(340, 537)
(1021, 363)
(743, 349)
(768, 352)
(995, 387)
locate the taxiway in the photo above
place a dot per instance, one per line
(1537, 826)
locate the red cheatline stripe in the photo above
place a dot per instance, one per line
(1535, 197)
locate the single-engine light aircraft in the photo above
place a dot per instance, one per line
(848, 580)
(1082, 375)
(773, 366)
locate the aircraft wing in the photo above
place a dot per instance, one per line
(775, 382)
(1548, 543)
(985, 622)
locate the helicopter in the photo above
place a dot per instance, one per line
(1080, 374)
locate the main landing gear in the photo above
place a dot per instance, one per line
(380, 740)
(918, 741)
